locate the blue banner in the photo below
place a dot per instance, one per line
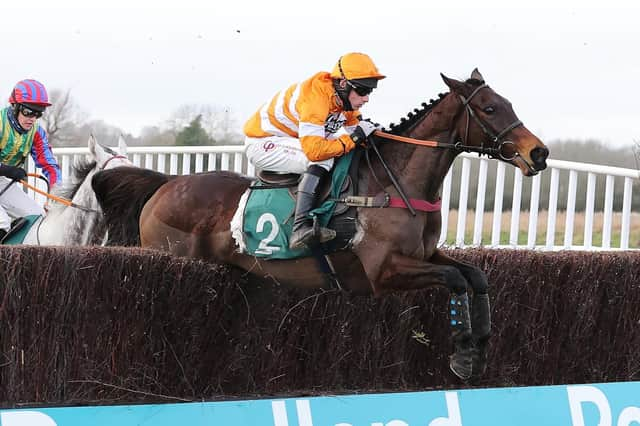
(608, 404)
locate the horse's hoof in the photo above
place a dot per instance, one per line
(461, 366)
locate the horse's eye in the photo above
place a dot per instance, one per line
(489, 110)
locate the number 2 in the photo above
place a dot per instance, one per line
(264, 247)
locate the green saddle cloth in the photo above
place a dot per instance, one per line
(269, 213)
(18, 237)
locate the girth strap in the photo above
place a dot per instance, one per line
(384, 200)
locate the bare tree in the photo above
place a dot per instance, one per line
(182, 116)
(154, 136)
(63, 118)
(222, 126)
(218, 122)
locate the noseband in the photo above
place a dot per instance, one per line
(497, 142)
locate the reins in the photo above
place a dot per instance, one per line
(458, 146)
(55, 198)
(405, 139)
(61, 200)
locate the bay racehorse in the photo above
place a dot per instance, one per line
(80, 223)
(392, 250)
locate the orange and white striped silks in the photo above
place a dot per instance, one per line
(310, 112)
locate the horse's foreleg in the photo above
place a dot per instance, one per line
(480, 309)
(401, 273)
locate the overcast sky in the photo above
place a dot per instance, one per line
(570, 68)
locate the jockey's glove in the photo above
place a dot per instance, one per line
(13, 172)
(362, 132)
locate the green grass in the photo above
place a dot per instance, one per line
(578, 240)
(578, 234)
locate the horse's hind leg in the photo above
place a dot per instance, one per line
(480, 309)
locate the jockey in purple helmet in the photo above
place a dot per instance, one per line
(21, 135)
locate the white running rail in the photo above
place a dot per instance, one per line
(486, 175)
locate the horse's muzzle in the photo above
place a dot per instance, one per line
(539, 157)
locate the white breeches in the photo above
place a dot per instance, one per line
(15, 203)
(280, 154)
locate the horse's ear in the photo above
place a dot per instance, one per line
(475, 75)
(454, 85)
(91, 143)
(122, 145)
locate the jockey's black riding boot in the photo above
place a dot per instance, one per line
(305, 233)
(462, 359)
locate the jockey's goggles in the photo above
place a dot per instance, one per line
(28, 112)
(360, 90)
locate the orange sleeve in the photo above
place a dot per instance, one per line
(314, 106)
(318, 149)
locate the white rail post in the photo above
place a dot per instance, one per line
(173, 164)
(224, 162)
(571, 208)
(444, 209)
(211, 162)
(161, 166)
(186, 163)
(148, 161)
(515, 208)
(482, 189)
(533, 212)
(553, 208)
(626, 213)
(589, 209)
(237, 162)
(497, 205)
(462, 203)
(608, 212)
(66, 166)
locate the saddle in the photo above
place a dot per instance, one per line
(19, 229)
(264, 219)
(290, 180)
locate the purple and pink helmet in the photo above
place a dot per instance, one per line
(29, 92)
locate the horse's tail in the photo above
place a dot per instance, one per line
(122, 192)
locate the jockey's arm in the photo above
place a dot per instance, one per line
(316, 145)
(43, 157)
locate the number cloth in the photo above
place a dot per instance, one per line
(266, 216)
(18, 237)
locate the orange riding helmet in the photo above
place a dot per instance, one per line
(358, 69)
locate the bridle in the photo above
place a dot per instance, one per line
(495, 151)
(498, 139)
(121, 157)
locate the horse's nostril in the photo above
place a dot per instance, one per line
(539, 155)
